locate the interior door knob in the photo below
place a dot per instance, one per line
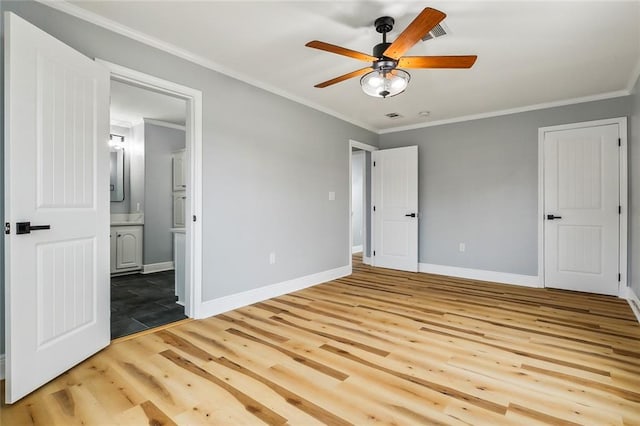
(27, 227)
(552, 217)
(410, 215)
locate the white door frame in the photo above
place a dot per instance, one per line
(369, 148)
(193, 148)
(622, 251)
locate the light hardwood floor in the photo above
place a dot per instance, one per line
(379, 346)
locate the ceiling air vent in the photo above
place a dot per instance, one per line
(393, 115)
(437, 31)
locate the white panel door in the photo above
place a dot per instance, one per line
(57, 174)
(395, 215)
(581, 199)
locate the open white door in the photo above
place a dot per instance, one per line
(581, 203)
(56, 174)
(395, 204)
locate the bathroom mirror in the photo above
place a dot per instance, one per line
(116, 185)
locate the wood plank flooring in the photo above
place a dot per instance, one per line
(379, 346)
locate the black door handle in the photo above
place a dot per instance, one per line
(27, 227)
(410, 215)
(551, 217)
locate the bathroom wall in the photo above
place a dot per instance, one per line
(159, 143)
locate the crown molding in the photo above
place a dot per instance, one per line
(164, 124)
(80, 13)
(93, 18)
(120, 123)
(510, 111)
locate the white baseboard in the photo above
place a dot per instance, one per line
(634, 302)
(366, 260)
(234, 301)
(2, 367)
(481, 274)
(356, 249)
(157, 267)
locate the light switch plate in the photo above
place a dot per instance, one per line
(332, 195)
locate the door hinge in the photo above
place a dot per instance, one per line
(374, 252)
(619, 277)
(619, 209)
(374, 164)
(194, 217)
(619, 141)
(7, 228)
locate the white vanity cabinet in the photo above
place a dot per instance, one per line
(126, 248)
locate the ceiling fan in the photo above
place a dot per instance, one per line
(385, 77)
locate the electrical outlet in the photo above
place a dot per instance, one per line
(462, 247)
(272, 258)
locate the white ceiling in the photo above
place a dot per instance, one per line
(130, 104)
(529, 53)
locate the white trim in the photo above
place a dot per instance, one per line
(115, 27)
(356, 249)
(2, 374)
(623, 192)
(164, 124)
(367, 260)
(245, 298)
(364, 147)
(634, 302)
(480, 274)
(193, 98)
(157, 267)
(599, 97)
(120, 123)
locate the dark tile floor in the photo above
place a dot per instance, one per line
(139, 302)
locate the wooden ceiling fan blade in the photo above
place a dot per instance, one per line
(437, 61)
(344, 77)
(424, 22)
(332, 48)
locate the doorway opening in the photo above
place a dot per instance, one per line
(155, 251)
(147, 144)
(360, 201)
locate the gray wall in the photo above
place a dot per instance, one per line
(634, 191)
(268, 165)
(123, 206)
(159, 143)
(478, 184)
(357, 195)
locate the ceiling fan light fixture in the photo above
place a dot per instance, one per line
(385, 83)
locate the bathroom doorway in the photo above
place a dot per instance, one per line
(360, 197)
(148, 208)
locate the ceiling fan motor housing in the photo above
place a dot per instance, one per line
(378, 50)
